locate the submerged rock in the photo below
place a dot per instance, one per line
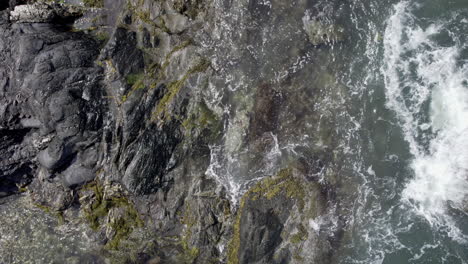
(31, 234)
(322, 33)
(266, 232)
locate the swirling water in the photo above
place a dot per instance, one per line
(413, 203)
(424, 73)
(402, 134)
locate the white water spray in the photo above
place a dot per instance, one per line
(420, 73)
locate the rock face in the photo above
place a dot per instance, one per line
(52, 109)
(122, 118)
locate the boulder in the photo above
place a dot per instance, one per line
(53, 155)
(76, 175)
(43, 12)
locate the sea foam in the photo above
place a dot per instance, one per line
(426, 88)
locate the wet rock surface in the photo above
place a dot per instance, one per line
(28, 234)
(51, 100)
(118, 118)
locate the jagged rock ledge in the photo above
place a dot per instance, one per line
(107, 116)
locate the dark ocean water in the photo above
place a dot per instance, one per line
(408, 72)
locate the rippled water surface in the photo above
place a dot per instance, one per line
(393, 96)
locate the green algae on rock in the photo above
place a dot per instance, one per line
(179, 94)
(106, 203)
(94, 3)
(285, 189)
(173, 88)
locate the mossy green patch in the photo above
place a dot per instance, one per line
(94, 3)
(100, 207)
(284, 183)
(145, 16)
(300, 236)
(173, 88)
(177, 48)
(202, 121)
(234, 244)
(163, 26)
(102, 36)
(189, 254)
(298, 257)
(134, 78)
(56, 213)
(156, 73)
(123, 226)
(136, 81)
(203, 118)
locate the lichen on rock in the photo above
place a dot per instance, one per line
(280, 233)
(106, 206)
(117, 117)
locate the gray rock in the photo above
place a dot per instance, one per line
(43, 12)
(32, 13)
(122, 48)
(30, 123)
(262, 227)
(77, 175)
(177, 23)
(51, 157)
(51, 194)
(65, 121)
(27, 228)
(43, 116)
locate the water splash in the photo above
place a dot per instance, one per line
(230, 171)
(426, 88)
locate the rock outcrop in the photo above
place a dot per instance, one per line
(114, 115)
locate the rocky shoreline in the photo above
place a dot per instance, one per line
(110, 118)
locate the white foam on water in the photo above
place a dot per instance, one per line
(419, 72)
(422, 251)
(219, 171)
(228, 169)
